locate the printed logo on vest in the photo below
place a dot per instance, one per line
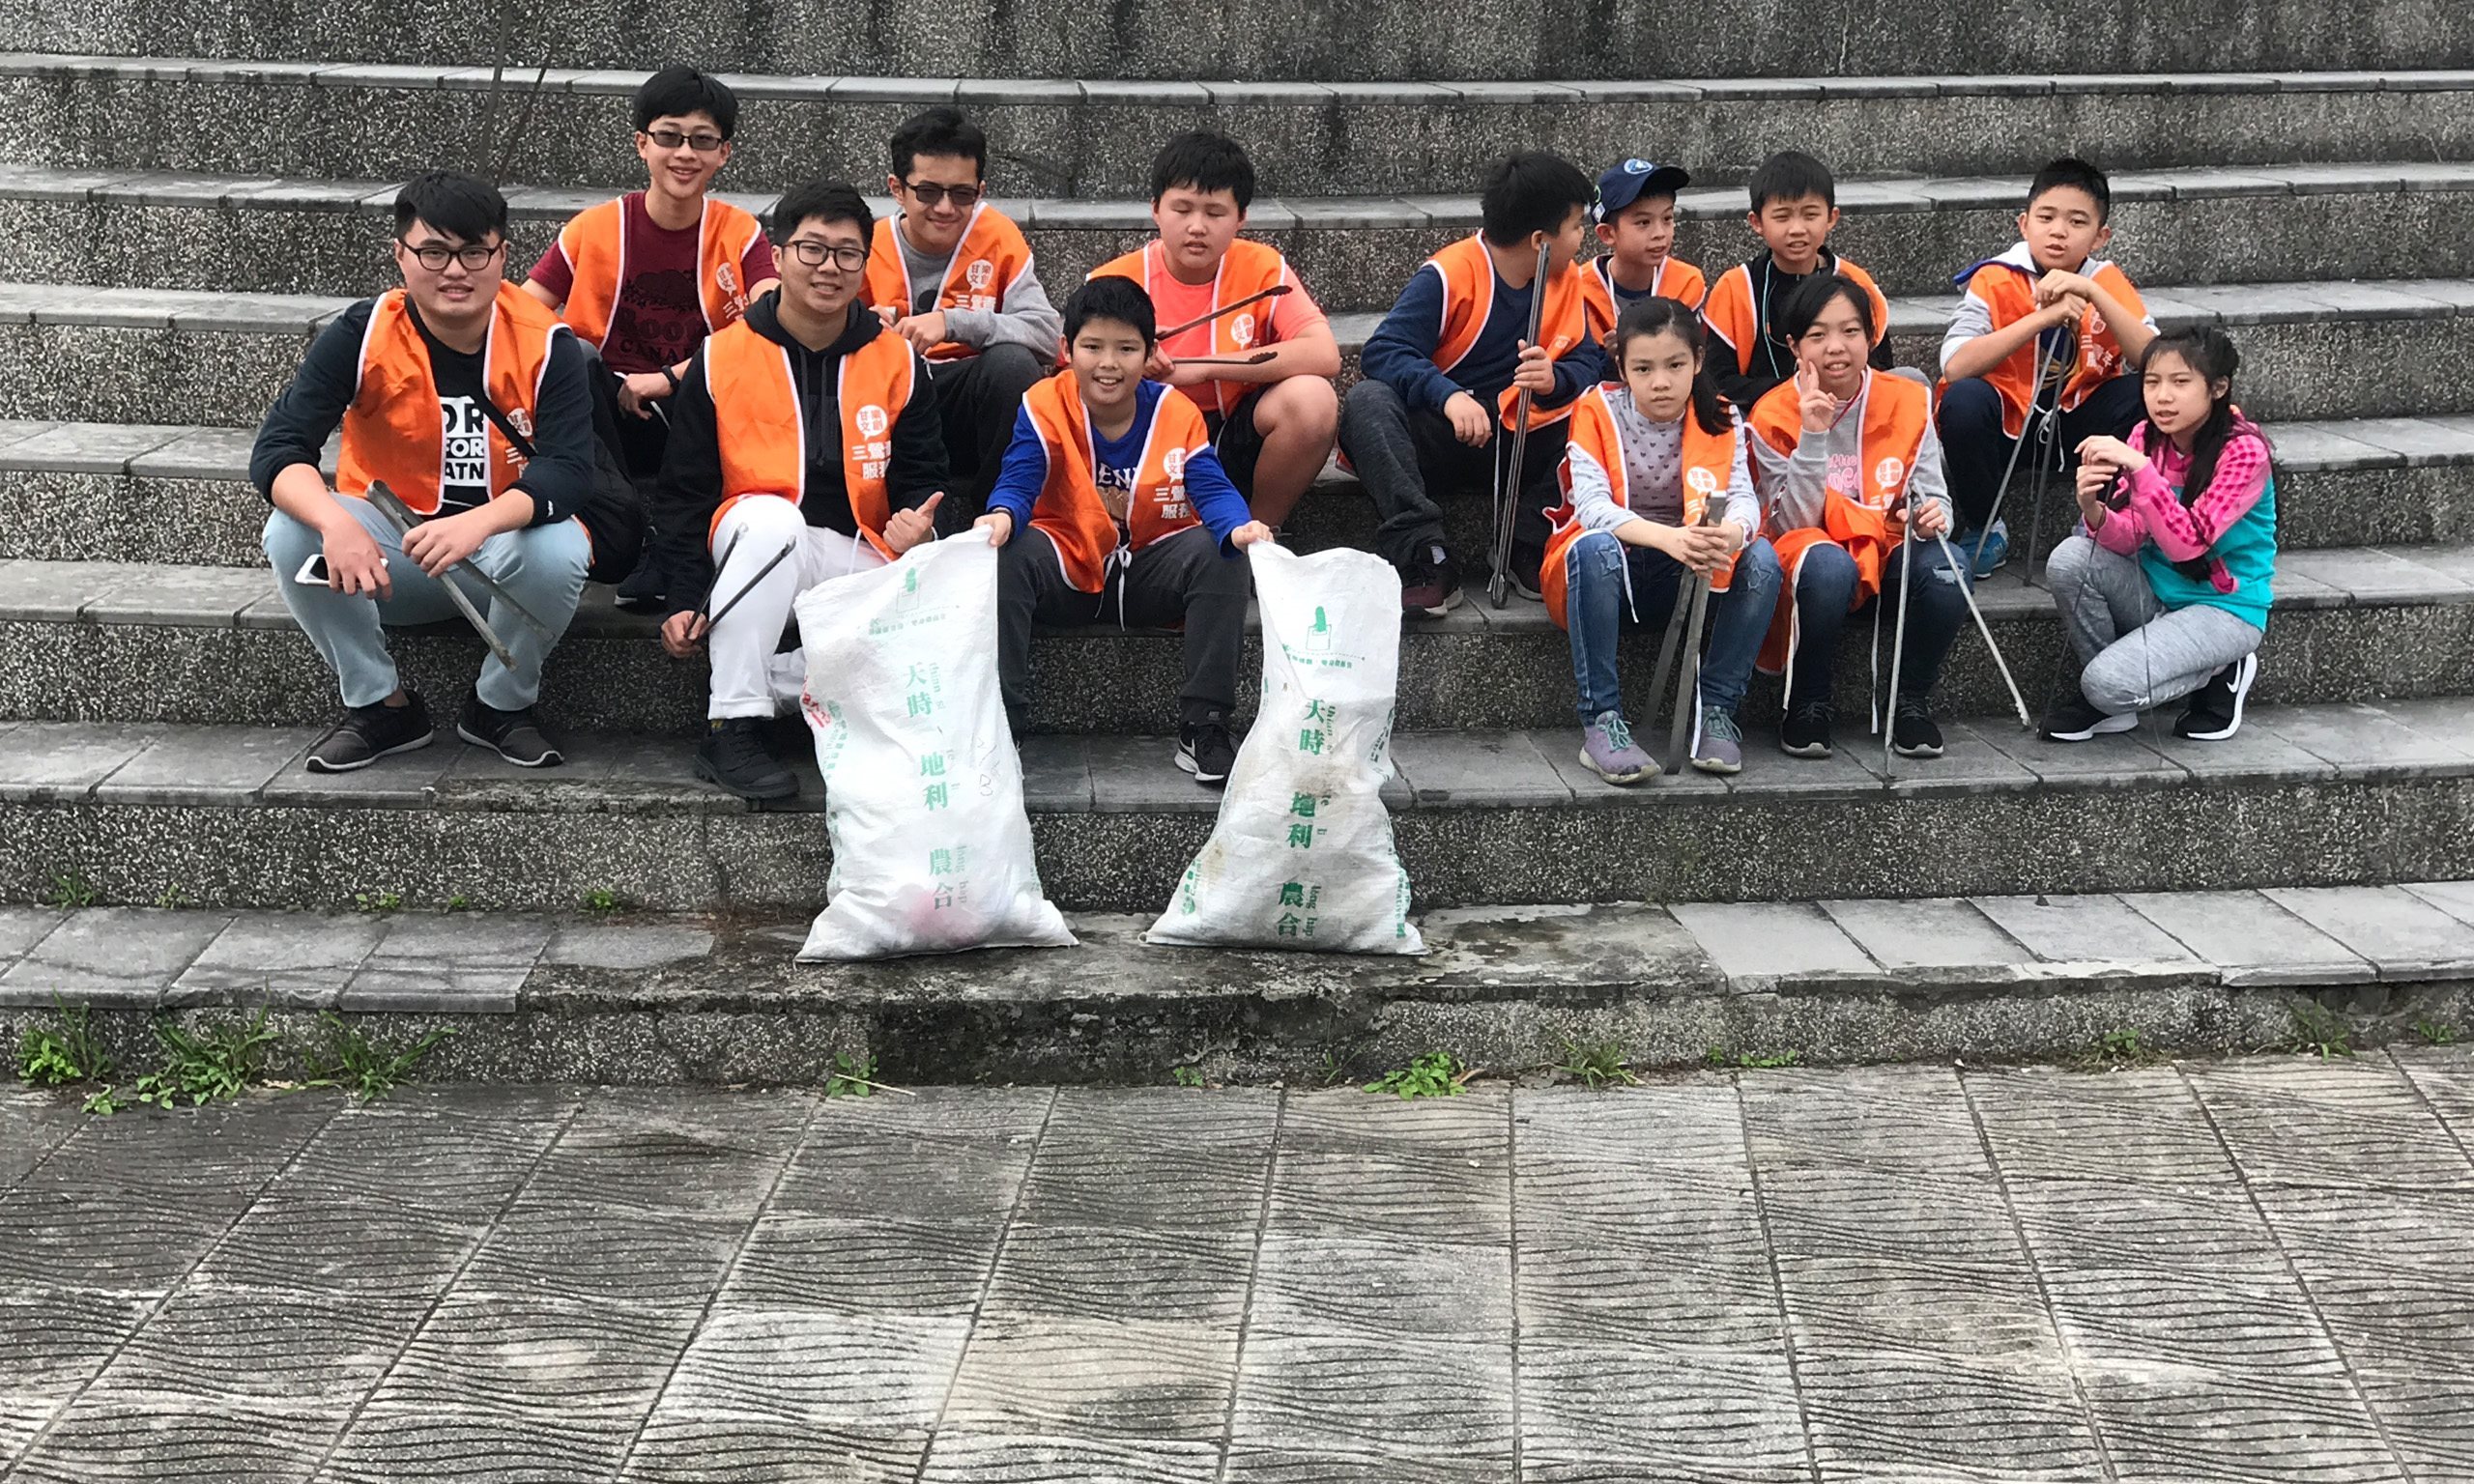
(1174, 463)
(873, 421)
(725, 278)
(1701, 481)
(1888, 473)
(980, 275)
(1241, 329)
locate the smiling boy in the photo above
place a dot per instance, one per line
(1795, 208)
(1111, 504)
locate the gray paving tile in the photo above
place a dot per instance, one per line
(54, 591)
(2400, 934)
(1758, 941)
(2252, 939)
(2122, 761)
(185, 597)
(114, 956)
(295, 958)
(600, 946)
(205, 765)
(90, 447)
(1969, 763)
(22, 928)
(2369, 575)
(2367, 741)
(198, 453)
(2329, 446)
(1138, 775)
(1925, 934)
(2084, 929)
(1056, 773)
(2454, 898)
(455, 962)
(1480, 768)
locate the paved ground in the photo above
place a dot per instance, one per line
(2244, 1271)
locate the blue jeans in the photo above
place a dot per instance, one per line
(542, 565)
(1825, 584)
(1595, 611)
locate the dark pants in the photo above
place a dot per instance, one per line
(1409, 462)
(1824, 582)
(976, 400)
(1182, 580)
(1975, 450)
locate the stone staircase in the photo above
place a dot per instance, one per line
(178, 228)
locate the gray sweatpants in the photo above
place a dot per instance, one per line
(2134, 653)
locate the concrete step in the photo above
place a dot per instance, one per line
(1350, 42)
(639, 998)
(224, 817)
(2310, 349)
(106, 641)
(1093, 137)
(147, 492)
(2203, 225)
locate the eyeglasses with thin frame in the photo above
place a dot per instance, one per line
(435, 256)
(813, 253)
(669, 139)
(933, 196)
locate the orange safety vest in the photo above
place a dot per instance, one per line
(1469, 297)
(1069, 507)
(1896, 412)
(596, 242)
(1708, 460)
(760, 425)
(2010, 294)
(1677, 280)
(991, 255)
(1246, 268)
(1733, 313)
(391, 429)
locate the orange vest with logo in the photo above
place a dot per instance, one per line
(1733, 310)
(1708, 462)
(991, 255)
(1677, 280)
(596, 242)
(1896, 410)
(1068, 508)
(1247, 268)
(1469, 297)
(2011, 296)
(391, 430)
(760, 425)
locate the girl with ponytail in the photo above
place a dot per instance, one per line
(2165, 586)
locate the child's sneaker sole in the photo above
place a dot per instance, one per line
(321, 765)
(1619, 780)
(2106, 727)
(1186, 762)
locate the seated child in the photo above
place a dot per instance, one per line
(2049, 303)
(1636, 225)
(1795, 208)
(1112, 503)
(2166, 594)
(1445, 369)
(1645, 456)
(1846, 460)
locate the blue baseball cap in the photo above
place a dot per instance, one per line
(1634, 178)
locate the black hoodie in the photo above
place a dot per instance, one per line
(691, 471)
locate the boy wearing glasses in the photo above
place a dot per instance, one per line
(954, 276)
(804, 446)
(426, 383)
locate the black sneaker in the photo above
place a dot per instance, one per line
(2215, 711)
(367, 733)
(1912, 732)
(513, 735)
(1206, 750)
(1805, 732)
(2075, 719)
(1429, 589)
(735, 759)
(644, 590)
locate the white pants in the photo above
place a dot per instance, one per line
(748, 677)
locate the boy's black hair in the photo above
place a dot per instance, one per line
(1110, 297)
(1203, 161)
(675, 91)
(464, 207)
(821, 200)
(2077, 175)
(939, 130)
(1532, 191)
(1791, 175)
(1804, 306)
(1659, 315)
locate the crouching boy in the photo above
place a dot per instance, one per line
(1110, 503)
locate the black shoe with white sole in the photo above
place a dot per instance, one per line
(1805, 731)
(1207, 751)
(735, 759)
(2215, 711)
(1913, 734)
(367, 733)
(511, 734)
(2076, 719)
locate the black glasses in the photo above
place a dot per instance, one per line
(813, 253)
(933, 196)
(435, 256)
(671, 139)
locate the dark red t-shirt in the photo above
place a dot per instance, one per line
(658, 321)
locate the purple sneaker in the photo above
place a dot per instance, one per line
(1607, 749)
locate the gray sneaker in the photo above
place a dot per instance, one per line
(1607, 749)
(1720, 749)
